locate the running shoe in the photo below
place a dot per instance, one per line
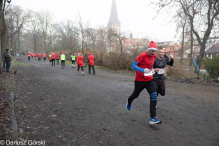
(128, 106)
(154, 121)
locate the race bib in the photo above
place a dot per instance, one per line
(149, 73)
(161, 71)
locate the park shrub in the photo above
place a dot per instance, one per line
(212, 65)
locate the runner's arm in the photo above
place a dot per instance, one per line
(136, 68)
(170, 63)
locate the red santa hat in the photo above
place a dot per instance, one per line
(152, 46)
(62, 52)
(73, 53)
(79, 52)
(90, 52)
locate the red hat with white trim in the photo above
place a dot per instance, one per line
(79, 52)
(152, 46)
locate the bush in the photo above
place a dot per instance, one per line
(212, 65)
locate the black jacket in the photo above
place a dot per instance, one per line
(7, 56)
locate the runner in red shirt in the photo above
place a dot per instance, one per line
(28, 55)
(91, 59)
(53, 57)
(143, 66)
(34, 55)
(39, 56)
(57, 58)
(80, 60)
(31, 55)
(44, 57)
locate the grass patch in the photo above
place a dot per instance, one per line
(15, 63)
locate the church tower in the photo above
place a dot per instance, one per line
(114, 23)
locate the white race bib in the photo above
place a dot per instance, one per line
(161, 71)
(148, 74)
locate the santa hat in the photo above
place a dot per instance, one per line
(90, 52)
(73, 53)
(52, 52)
(62, 52)
(79, 52)
(152, 46)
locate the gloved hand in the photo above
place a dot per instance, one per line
(153, 71)
(146, 70)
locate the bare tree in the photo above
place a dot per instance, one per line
(203, 17)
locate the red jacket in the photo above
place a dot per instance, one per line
(28, 54)
(57, 56)
(80, 60)
(53, 56)
(34, 54)
(39, 55)
(31, 54)
(91, 59)
(144, 61)
(44, 55)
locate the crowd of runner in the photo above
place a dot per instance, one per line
(54, 59)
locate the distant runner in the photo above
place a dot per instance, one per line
(73, 58)
(57, 58)
(44, 57)
(80, 60)
(91, 59)
(28, 55)
(62, 60)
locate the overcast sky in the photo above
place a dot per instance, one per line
(136, 16)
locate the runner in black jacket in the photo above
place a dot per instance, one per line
(159, 67)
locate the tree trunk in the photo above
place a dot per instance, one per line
(183, 36)
(191, 60)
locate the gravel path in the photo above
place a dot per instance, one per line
(64, 108)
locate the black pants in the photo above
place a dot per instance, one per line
(82, 68)
(151, 88)
(62, 62)
(92, 69)
(73, 62)
(160, 86)
(57, 61)
(53, 62)
(29, 59)
(44, 59)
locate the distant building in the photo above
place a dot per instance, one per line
(114, 28)
(213, 50)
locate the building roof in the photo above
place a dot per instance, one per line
(129, 42)
(114, 15)
(213, 49)
(172, 48)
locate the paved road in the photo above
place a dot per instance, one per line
(64, 108)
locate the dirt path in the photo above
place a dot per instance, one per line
(63, 108)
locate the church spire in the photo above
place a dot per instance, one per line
(114, 15)
(114, 23)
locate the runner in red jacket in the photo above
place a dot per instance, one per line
(39, 56)
(57, 58)
(80, 60)
(53, 57)
(91, 59)
(34, 55)
(143, 66)
(44, 57)
(28, 55)
(31, 55)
